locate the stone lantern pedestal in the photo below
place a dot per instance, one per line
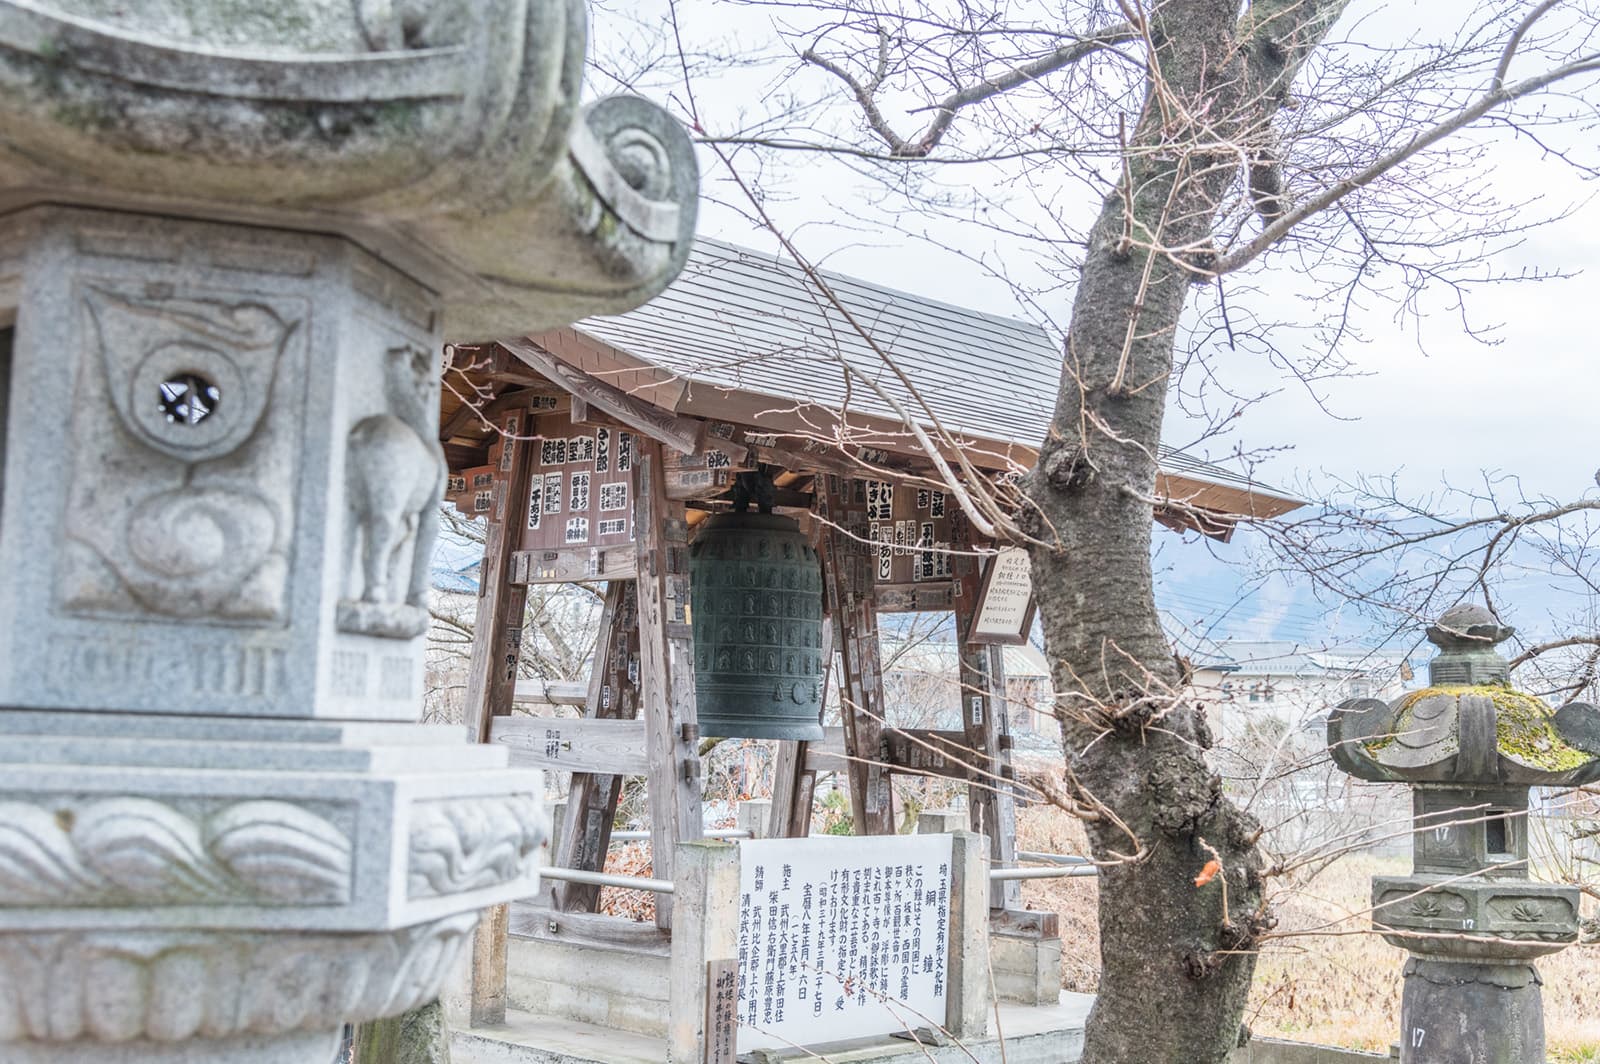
(1470, 746)
(229, 258)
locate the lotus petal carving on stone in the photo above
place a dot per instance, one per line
(168, 986)
(137, 851)
(1426, 907)
(1527, 912)
(282, 851)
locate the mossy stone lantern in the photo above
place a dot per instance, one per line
(1469, 746)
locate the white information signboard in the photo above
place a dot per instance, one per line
(841, 937)
(1005, 601)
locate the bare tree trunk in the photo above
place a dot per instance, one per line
(1175, 964)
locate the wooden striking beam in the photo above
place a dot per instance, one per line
(666, 668)
(685, 434)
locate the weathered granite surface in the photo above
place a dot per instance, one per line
(233, 237)
(237, 507)
(1470, 745)
(447, 137)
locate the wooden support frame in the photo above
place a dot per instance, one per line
(666, 668)
(492, 678)
(847, 578)
(592, 796)
(497, 638)
(984, 720)
(685, 434)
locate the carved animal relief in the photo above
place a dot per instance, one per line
(181, 497)
(394, 476)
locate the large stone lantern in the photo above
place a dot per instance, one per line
(233, 241)
(1470, 745)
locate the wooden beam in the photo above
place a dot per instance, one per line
(491, 679)
(592, 797)
(568, 565)
(828, 755)
(585, 929)
(531, 690)
(683, 434)
(489, 967)
(929, 597)
(1028, 922)
(983, 720)
(848, 573)
(666, 668)
(468, 414)
(566, 745)
(497, 634)
(930, 752)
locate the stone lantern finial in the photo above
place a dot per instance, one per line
(1470, 745)
(1466, 636)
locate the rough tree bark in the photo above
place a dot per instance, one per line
(1175, 964)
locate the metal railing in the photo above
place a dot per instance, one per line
(644, 836)
(1052, 858)
(1063, 866)
(1058, 872)
(606, 879)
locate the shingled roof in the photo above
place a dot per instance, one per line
(752, 325)
(741, 319)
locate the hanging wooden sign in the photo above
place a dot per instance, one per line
(1006, 605)
(573, 745)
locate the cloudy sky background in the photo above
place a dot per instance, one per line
(1424, 400)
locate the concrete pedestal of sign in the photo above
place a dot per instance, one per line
(1050, 1034)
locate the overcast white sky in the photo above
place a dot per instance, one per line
(1434, 404)
(1438, 404)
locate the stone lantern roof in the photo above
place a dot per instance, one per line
(1470, 726)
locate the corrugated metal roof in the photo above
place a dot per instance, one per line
(743, 319)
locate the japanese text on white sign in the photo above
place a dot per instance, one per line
(841, 938)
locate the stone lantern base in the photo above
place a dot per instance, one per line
(181, 890)
(1472, 943)
(1504, 1000)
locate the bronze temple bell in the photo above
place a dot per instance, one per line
(756, 608)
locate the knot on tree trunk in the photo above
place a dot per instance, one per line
(1066, 470)
(1183, 794)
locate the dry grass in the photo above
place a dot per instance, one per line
(1338, 987)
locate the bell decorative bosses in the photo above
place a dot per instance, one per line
(756, 598)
